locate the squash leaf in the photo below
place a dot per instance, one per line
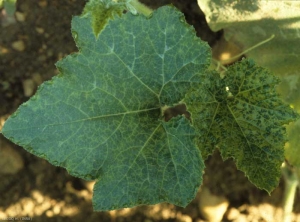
(101, 117)
(243, 116)
(247, 23)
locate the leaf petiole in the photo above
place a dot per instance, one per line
(139, 7)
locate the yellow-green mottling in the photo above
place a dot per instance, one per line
(243, 115)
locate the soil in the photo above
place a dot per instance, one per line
(31, 42)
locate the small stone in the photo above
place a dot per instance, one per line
(18, 45)
(27, 205)
(212, 207)
(242, 218)
(28, 87)
(267, 211)
(20, 16)
(56, 209)
(49, 213)
(37, 78)
(90, 185)
(43, 3)
(2, 215)
(14, 210)
(39, 30)
(2, 121)
(42, 58)
(37, 196)
(233, 214)
(11, 161)
(3, 50)
(184, 218)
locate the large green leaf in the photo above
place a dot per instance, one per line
(101, 117)
(243, 116)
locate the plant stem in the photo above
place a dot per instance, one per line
(249, 49)
(291, 183)
(141, 8)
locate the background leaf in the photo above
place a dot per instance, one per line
(9, 6)
(100, 118)
(250, 22)
(243, 116)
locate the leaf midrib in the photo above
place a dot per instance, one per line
(91, 118)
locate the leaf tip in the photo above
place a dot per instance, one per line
(102, 12)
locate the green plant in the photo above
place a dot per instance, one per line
(104, 117)
(9, 6)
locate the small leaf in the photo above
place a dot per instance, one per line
(101, 117)
(243, 115)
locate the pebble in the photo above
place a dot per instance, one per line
(49, 213)
(2, 121)
(28, 87)
(11, 161)
(56, 209)
(233, 214)
(39, 30)
(3, 50)
(43, 3)
(18, 45)
(37, 78)
(184, 218)
(27, 205)
(20, 17)
(212, 207)
(37, 196)
(90, 185)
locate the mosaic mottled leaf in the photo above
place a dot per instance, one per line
(243, 116)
